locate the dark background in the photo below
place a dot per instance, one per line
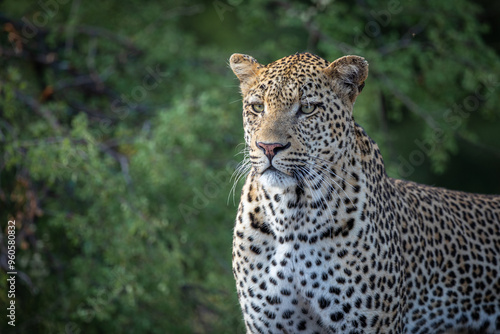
(120, 127)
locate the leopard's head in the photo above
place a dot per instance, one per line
(297, 114)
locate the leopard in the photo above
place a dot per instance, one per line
(325, 241)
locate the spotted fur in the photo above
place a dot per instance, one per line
(326, 242)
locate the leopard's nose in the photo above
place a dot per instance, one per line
(271, 149)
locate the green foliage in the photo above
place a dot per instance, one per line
(119, 124)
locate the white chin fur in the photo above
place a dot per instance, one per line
(273, 178)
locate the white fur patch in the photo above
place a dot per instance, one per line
(275, 179)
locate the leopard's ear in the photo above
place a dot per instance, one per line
(349, 74)
(246, 69)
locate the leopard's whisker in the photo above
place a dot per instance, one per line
(331, 164)
(316, 197)
(233, 188)
(336, 183)
(241, 170)
(329, 171)
(241, 166)
(308, 182)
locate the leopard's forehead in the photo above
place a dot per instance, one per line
(296, 67)
(286, 81)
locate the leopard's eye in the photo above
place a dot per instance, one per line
(258, 108)
(307, 108)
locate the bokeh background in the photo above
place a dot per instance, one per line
(120, 127)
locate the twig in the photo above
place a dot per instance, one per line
(109, 35)
(407, 101)
(406, 40)
(121, 159)
(385, 124)
(490, 149)
(70, 31)
(41, 110)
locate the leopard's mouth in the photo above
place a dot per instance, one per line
(274, 177)
(273, 170)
